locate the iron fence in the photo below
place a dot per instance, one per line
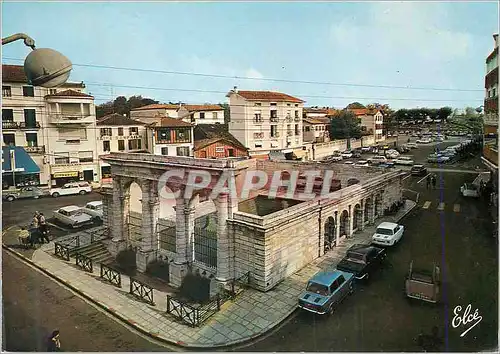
(84, 262)
(71, 242)
(99, 235)
(141, 291)
(111, 275)
(205, 246)
(166, 235)
(61, 251)
(192, 314)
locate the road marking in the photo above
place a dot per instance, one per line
(456, 208)
(406, 177)
(440, 206)
(423, 178)
(426, 205)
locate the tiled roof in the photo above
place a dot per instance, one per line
(167, 122)
(214, 133)
(268, 96)
(70, 93)
(116, 119)
(315, 110)
(203, 107)
(157, 106)
(315, 120)
(13, 73)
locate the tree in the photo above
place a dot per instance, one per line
(355, 105)
(226, 112)
(471, 120)
(122, 105)
(345, 125)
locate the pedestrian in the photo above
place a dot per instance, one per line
(24, 237)
(428, 181)
(43, 227)
(434, 180)
(35, 221)
(53, 343)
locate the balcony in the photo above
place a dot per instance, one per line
(289, 119)
(491, 104)
(257, 120)
(104, 137)
(35, 149)
(274, 119)
(9, 125)
(491, 154)
(297, 119)
(275, 135)
(289, 133)
(66, 119)
(24, 125)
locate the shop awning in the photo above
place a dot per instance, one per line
(16, 159)
(299, 154)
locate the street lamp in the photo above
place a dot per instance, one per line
(43, 67)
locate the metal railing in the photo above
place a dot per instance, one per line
(205, 246)
(24, 125)
(99, 235)
(141, 291)
(35, 149)
(61, 251)
(236, 286)
(190, 314)
(111, 275)
(84, 262)
(10, 125)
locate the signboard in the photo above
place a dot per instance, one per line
(219, 149)
(65, 174)
(19, 169)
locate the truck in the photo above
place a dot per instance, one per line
(423, 283)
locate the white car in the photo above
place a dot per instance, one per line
(349, 163)
(94, 209)
(403, 160)
(362, 163)
(424, 141)
(377, 160)
(366, 148)
(392, 154)
(412, 145)
(72, 216)
(387, 234)
(346, 154)
(71, 189)
(469, 190)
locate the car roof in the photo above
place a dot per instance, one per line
(387, 225)
(95, 203)
(418, 165)
(362, 248)
(326, 278)
(70, 208)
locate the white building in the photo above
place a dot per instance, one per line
(170, 136)
(118, 133)
(316, 130)
(196, 114)
(55, 126)
(266, 122)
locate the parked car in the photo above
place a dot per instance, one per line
(22, 193)
(470, 190)
(72, 216)
(362, 163)
(334, 157)
(94, 209)
(356, 154)
(412, 145)
(418, 170)
(403, 160)
(423, 284)
(377, 160)
(325, 290)
(437, 158)
(388, 234)
(392, 154)
(361, 260)
(346, 154)
(366, 149)
(424, 141)
(349, 162)
(71, 189)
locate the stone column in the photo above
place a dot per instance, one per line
(349, 222)
(146, 253)
(361, 220)
(178, 268)
(337, 229)
(119, 217)
(189, 218)
(371, 217)
(223, 256)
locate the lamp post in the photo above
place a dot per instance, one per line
(43, 67)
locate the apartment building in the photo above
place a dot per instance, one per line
(55, 127)
(195, 114)
(170, 137)
(372, 121)
(118, 133)
(316, 130)
(265, 122)
(490, 148)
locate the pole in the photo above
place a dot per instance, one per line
(28, 41)
(13, 166)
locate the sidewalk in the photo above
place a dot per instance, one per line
(249, 316)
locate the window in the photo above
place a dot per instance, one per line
(273, 104)
(297, 129)
(106, 132)
(494, 92)
(61, 157)
(133, 131)
(308, 129)
(85, 156)
(7, 115)
(182, 135)
(164, 151)
(120, 131)
(106, 146)
(121, 145)
(52, 91)
(258, 145)
(163, 135)
(214, 115)
(230, 152)
(258, 104)
(30, 118)
(9, 139)
(28, 91)
(257, 118)
(31, 139)
(139, 144)
(202, 115)
(316, 288)
(183, 151)
(296, 114)
(134, 144)
(72, 134)
(6, 91)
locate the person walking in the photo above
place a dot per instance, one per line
(428, 181)
(434, 180)
(43, 228)
(53, 343)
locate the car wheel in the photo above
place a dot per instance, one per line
(36, 197)
(331, 309)
(55, 195)
(82, 192)
(10, 198)
(351, 287)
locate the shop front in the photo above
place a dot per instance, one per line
(18, 168)
(61, 178)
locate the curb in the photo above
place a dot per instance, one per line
(407, 212)
(132, 323)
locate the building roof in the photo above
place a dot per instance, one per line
(156, 106)
(323, 110)
(13, 73)
(207, 134)
(267, 96)
(69, 93)
(116, 119)
(203, 107)
(315, 121)
(167, 122)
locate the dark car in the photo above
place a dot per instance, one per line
(361, 260)
(418, 170)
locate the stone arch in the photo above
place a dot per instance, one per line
(357, 222)
(330, 230)
(132, 191)
(378, 206)
(205, 226)
(368, 209)
(344, 223)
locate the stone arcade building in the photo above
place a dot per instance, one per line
(268, 238)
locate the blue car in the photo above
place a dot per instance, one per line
(325, 290)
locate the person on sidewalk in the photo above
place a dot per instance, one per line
(35, 220)
(434, 180)
(53, 343)
(428, 181)
(43, 227)
(24, 237)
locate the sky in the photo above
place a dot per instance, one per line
(333, 49)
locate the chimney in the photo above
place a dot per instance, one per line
(235, 89)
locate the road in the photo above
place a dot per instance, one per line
(378, 317)
(34, 305)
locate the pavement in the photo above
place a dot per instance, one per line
(249, 316)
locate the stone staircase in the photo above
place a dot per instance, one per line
(97, 251)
